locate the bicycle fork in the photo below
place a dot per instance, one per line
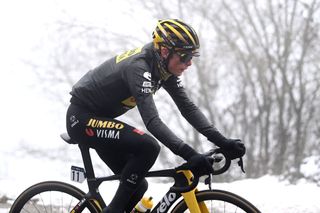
(190, 197)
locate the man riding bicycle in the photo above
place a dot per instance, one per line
(131, 79)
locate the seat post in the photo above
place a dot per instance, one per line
(86, 158)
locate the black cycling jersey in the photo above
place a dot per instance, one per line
(130, 80)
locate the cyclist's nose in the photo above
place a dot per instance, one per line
(189, 63)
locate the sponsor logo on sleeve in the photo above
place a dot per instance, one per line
(147, 84)
(146, 90)
(147, 75)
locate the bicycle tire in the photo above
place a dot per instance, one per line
(219, 201)
(48, 197)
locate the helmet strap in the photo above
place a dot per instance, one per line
(163, 63)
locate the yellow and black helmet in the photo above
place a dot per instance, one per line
(176, 35)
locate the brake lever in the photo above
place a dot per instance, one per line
(240, 163)
(207, 181)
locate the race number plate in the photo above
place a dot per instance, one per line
(77, 174)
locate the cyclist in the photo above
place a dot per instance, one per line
(130, 80)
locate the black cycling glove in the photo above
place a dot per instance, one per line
(234, 148)
(200, 165)
(197, 163)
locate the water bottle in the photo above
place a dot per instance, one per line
(144, 205)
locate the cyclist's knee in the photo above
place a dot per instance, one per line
(151, 146)
(155, 148)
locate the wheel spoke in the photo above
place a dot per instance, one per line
(218, 201)
(49, 197)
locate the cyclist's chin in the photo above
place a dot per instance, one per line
(177, 72)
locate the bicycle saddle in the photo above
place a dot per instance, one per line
(67, 138)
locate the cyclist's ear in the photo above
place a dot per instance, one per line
(164, 52)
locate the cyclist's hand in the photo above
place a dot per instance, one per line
(234, 149)
(200, 165)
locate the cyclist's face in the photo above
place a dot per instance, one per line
(176, 64)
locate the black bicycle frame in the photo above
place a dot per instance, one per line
(93, 183)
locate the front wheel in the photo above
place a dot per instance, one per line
(219, 201)
(50, 197)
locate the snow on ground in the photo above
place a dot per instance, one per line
(271, 195)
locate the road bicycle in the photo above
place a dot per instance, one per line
(183, 196)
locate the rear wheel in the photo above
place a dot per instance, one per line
(219, 201)
(50, 197)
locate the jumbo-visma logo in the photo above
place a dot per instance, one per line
(104, 124)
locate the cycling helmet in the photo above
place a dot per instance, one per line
(176, 35)
(179, 38)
